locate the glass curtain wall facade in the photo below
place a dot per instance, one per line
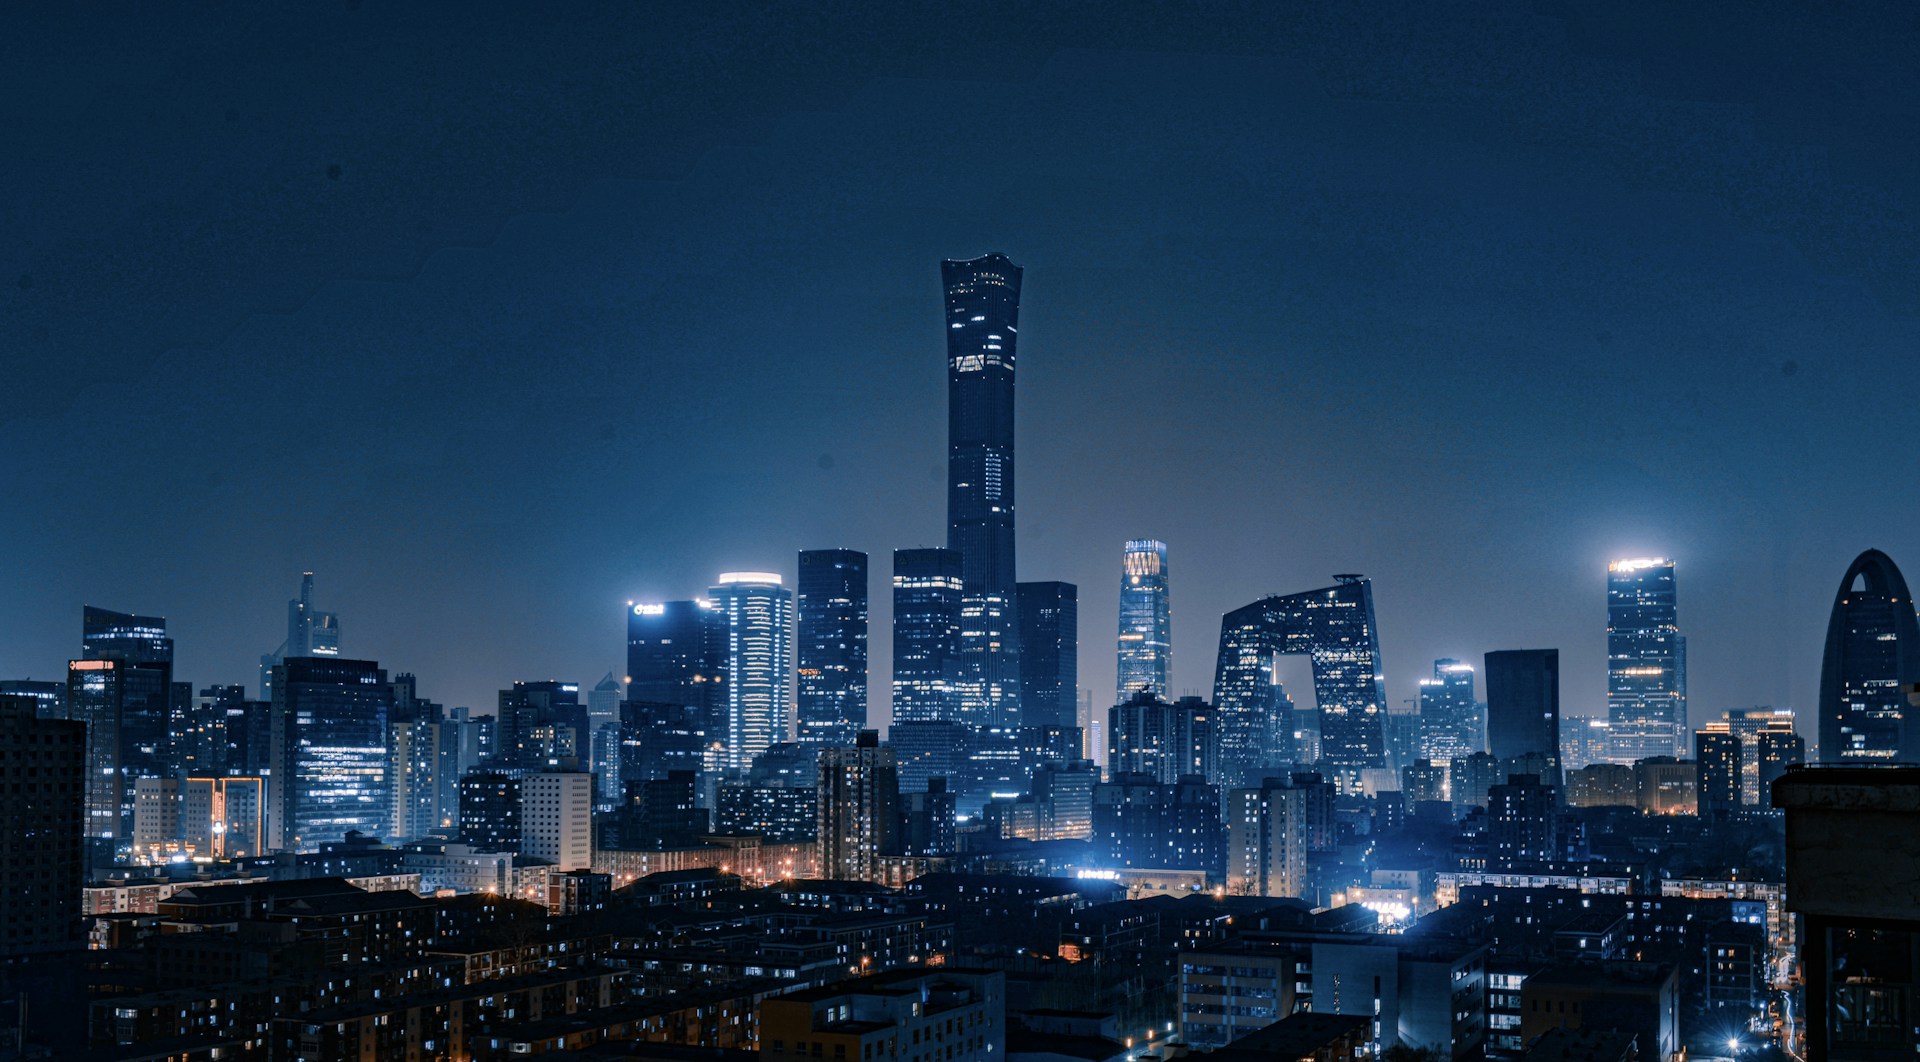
(331, 769)
(983, 330)
(1523, 706)
(1873, 647)
(927, 589)
(831, 647)
(1146, 620)
(122, 688)
(1449, 714)
(1646, 661)
(1334, 627)
(1049, 654)
(759, 613)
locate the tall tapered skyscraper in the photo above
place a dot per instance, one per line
(1646, 661)
(1146, 619)
(831, 647)
(983, 328)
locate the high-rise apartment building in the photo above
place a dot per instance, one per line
(1523, 707)
(1146, 619)
(490, 811)
(1267, 840)
(1718, 752)
(1646, 661)
(556, 818)
(859, 807)
(1873, 652)
(830, 640)
(1774, 751)
(1522, 822)
(1168, 742)
(983, 332)
(759, 615)
(927, 590)
(43, 808)
(1450, 724)
(1335, 628)
(310, 632)
(1049, 654)
(539, 722)
(331, 769)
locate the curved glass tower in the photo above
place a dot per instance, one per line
(1146, 619)
(983, 329)
(1332, 626)
(1873, 647)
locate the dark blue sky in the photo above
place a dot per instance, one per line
(498, 318)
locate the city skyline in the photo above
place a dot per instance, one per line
(1284, 374)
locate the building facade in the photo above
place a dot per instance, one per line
(1873, 649)
(830, 647)
(759, 625)
(331, 769)
(1335, 628)
(1646, 661)
(1049, 654)
(927, 591)
(1523, 706)
(1146, 619)
(983, 331)
(1450, 723)
(859, 807)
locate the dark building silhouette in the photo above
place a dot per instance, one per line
(927, 821)
(1522, 822)
(1049, 654)
(930, 749)
(1718, 753)
(1141, 822)
(42, 830)
(859, 808)
(541, 724)
(1775, 751)
(830, 646)
(490, 811)
(677, 654)
(1873, 649)
(983, 332)
(1523, 706)
(927, 670)
(658, 738)
(332, 772)
(1334, 626)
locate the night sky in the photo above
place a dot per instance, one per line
(500, 318)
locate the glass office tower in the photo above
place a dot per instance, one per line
(1873, 649)
(1523, 706)
(331, 771)
(1449, 713)
(759, 612)
(831, 647)
(1049, 654)
(927, 590)
(983, 329)
(1646, 661)
(1335, 629)
(1146, 619)
(122, 688)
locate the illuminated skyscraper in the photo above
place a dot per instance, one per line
(1646, 661)
(1146, 619)
(1873, 647)
(927, 591)
(983, 329)
(831, 647)
(674, 717)
(1332, 626)
(310, 632)
(331, 769)
(1049, 654)
(123, 689)
(1449, 714)
(759, 613)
